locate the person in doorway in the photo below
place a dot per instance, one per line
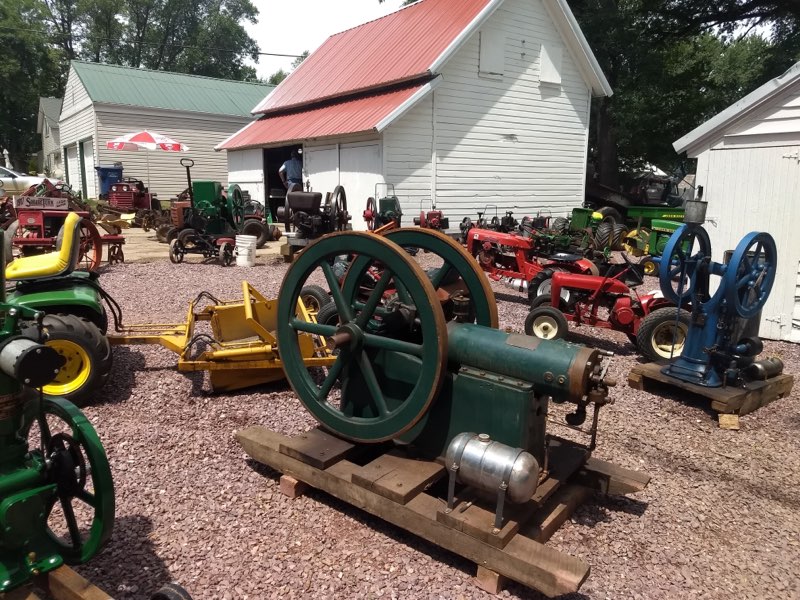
(291, 173)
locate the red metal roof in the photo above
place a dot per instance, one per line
(352, 116)
(398, 47)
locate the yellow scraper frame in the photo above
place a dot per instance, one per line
(243, 351)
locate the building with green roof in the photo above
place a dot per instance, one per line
(102, 102)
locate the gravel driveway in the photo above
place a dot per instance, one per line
(720, 519)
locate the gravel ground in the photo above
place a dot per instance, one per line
(720, 518)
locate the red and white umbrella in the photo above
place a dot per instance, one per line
(147, 140)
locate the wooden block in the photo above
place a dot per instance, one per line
(291, 487)
(398, 477)
(66, 584)
(557, 510)
(317, 448)
(729, 422)
(489, 581)
(23, 593)
(609, 478)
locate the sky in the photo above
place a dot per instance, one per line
(292, 26)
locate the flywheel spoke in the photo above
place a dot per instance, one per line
(87, 497)
(374, 298)
(386, 343)
(441, 274)
(315, 328)
(333, 374)
(342, 307)
(72, 522)
(372, 384)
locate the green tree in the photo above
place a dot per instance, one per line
(280, 74)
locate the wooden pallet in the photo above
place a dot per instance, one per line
(726, 400)
(397, 488)
(61, 584)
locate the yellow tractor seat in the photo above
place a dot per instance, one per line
(62, 261)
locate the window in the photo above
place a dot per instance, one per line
(550, 64)
(46, 129)
(492, 59)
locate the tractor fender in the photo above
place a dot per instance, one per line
(80, 300)
(653, 301)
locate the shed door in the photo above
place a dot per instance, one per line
(88, 165)
(361, 167)
(322, 168)
(74, 168)
(756, 189)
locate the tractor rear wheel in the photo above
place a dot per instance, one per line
(87, 353)
(604, 235)
(547, 323)
(172, 233)
(610, 215)
(560, 225)
(537, 281)
(258, 229)
(662, 334)
(162, 231)
(618, 235)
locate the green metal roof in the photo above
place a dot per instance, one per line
(112, 84)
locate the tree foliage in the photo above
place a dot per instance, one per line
(280, 74)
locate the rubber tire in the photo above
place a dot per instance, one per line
(328, 315)
(185, 234)
(648, 326)
(560, 225)
(604, 235)
(547, 311)
(162, 231)
(226, 257)
(316, 293)
(618, 234)
(538, 279)
(541, 301)
(171, 591)
(610, 215)
(175, 258)
(172, 233)
(258, 229)
(87, 335)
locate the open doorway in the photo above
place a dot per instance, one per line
(273, 159)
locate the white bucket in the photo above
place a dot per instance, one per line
(246, 250)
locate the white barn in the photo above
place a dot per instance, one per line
(102, 102)
(749, 166)
(465, 103)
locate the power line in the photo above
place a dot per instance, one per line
(143, 43)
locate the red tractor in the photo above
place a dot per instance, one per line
(514, 259)
(650, 321)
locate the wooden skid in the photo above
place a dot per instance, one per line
(728, 399)
(393, 487)
(61, 584)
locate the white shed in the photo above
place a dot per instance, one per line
(749, 166)
(465, 103)
(102, 102)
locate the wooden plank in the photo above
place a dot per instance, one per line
(558, 509)
(609, 478)
(524, 560)
(66, 584)
(397, 477)
(23, 593)
(316, 448)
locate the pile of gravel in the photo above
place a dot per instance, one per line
(720, 518)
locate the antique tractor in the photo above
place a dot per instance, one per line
(131, 196)
(306, 218)
(611, 302)
(56, 491)
(387, 209)
(722, 341)
(463, 407)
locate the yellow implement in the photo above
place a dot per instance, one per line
(241, 351)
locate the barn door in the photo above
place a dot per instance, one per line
(88, 167)
(74, 168)
(361, 167)
(321, 166)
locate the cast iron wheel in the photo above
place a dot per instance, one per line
(604, 235)
(171, 591)
(748, 281)
(339, 201)
(91, 252)
(87, 353)
(387, 379)
(662, 334)
(685, 251)
(547, 323)
(314, 297)
(162, 231)
(369, 214)
(78, 467)
(226, 254)
(176, 252)
(618, 236)
(257, 229)
(235, 205)
(610, 215)
(560, 225)
(328, 315)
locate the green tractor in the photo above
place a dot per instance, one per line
(75, 320)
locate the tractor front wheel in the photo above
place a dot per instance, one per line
(662, 334)
(86, 351)
(547, 323)
(257, 229)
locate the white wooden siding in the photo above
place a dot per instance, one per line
(781, 116)
(756, 189)
(74, 168)
(795, 334)
(514, 142)
(246, 168)
(51, 149)
(162, 171)
(76, 98)
(89, 170)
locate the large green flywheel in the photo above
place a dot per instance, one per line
(391, 354)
